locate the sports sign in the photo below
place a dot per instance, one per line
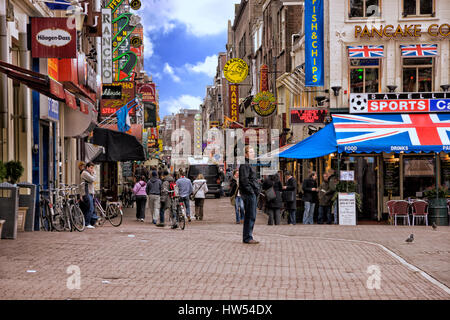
(399, 102)
(53, 38)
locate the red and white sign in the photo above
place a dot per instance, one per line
(148, 91)
(53, 38)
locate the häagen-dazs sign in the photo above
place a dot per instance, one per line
(53, 38)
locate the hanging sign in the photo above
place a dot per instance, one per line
(148, 91)
(264, 83)
(107, 55)
(234, 102)
(314, 44)
(52, 38)
(235, 70)
(264, 103)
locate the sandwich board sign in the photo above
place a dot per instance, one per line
(347, 209)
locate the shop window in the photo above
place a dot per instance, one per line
(417, 74)
(364, 8)
(364, 75)
(419, 174)
(418, 7)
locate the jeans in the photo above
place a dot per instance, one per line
(249, 216)
(308, 214)
(154, 205)
(292, 219)
(274, 216)
(140, 207)
(239, 207)
(325, 211)
(187, 205)
(89, 215)
(162, 211)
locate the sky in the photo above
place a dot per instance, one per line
(181, 42)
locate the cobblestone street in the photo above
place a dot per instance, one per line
(208, 260)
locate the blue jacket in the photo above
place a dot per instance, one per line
(184, 187)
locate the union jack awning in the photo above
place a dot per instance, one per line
(375, 134)
(366, 51)
(419, 50)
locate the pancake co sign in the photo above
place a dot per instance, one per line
(53, 38)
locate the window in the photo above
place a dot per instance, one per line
(417, 74)
(364, 8)
(364, 75)
(242, 47)
(418, 7)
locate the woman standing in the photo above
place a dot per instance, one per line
(274, 207)
(235, 194)
(141, 198)
(199, 191)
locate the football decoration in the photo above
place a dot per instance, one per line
(359, 102)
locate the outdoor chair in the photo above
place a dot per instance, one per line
(420, 210)
(401, 210)
(390, 205)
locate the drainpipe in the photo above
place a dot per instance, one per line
(3, 77)
(24, 91)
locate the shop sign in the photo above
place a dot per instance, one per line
(53, 38)
(234, 102)
(347, 175)
(135, 4)
(264, 103)
(113, 5)
(149, 115)
(264, 83)
(71, 100)
(84, 107)
(109, 106)
(314, 43)
(308, 116)
(148, 91)
(235, 70)
(399, 102)
(111, 92)
(390, 31)
(107, 56)
(347, 209)
(52, 112)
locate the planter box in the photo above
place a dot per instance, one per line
(21, 216)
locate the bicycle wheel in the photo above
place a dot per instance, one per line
(44, 221)
(114, 215)
(181, 219)
(77, 217)
(58, 219)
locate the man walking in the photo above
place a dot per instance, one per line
(166, 200)
(291, 197)
(249, 189)
(185, 189)
(154, 195)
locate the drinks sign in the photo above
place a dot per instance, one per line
(399, 102)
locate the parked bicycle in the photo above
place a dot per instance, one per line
(113, 212)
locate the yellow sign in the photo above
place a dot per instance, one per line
(235, 70)
(264, 103)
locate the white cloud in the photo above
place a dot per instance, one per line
(208, 67)
(201, 17)
(174, 105)
(169, 70)
(148, 47)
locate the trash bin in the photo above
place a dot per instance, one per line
(21, 217)
(438, 212)
(9, 204)
(29, 201)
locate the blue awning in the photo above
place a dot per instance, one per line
(396, 133)
(58, 4)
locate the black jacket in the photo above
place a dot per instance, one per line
(308, 194)
(291, 186)
(233, 186)
(248, 184)
(277, 186)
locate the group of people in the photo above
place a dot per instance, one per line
(162, 191)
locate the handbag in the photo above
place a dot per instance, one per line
(233, 197)
(270, 194)
(192, 196)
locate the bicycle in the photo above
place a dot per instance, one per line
(52, 216)
(74, 210)
(180, 210)
(113, 212)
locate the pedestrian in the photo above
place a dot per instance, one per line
(88, 178)
(154, 196)
(333, 179)
(326, 193)
(200, 189)
(249, 189)
(309, 187)
(290, 194)
(140, 193)
(273, 207)
(166, 199)
(185, 189)
(236, 199)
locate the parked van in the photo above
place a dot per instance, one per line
(211, 174)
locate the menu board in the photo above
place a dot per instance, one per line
(392, 178)
(445, 172)
(347, 209)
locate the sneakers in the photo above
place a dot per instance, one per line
(90, 227)
(141, 220)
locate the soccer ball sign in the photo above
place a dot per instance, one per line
(358, 103)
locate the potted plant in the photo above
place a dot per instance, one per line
(437, 204)
(14, 171)
(348, 187)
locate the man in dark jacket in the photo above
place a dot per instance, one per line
(326, 193)
(249, 189)
(291, 194)
(309, 187)
(273, 207)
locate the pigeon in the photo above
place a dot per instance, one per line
(410, 239)
(434, 226)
